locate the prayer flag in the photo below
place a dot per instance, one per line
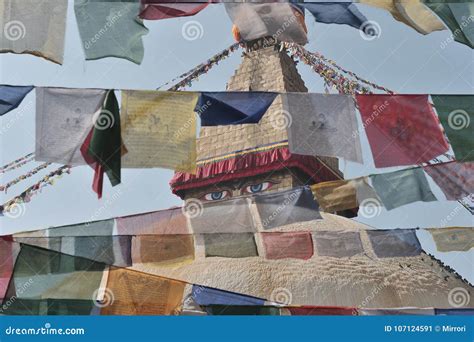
(453, 238)
(338, 244)
(402, 187)
(110, 29)
(323, 125)
(159, 9)
(298, 245)
(34, 27)
(455, 179)
(233, 108)
(163, 249)
(456, 113)
(240, 310)
(64, 117)
(329, 12)
(203, 295)
(159, 129)
(402, 129)
(322, 311)
(169, 221)
(230, 245)
(11, 97)
(394, 243)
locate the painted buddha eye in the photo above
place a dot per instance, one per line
(259, 187)
(216, 195)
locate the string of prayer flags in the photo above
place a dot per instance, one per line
(203, 295)
(33, 27)
(297, 245)
(159, 129)
(103, 147)
(163, 222)
(410, 12)
(298, 206)
(64, 118)
(12, 96)
(458, 16)
(23, 177)
(453, 238)
(258, 20)
(399, 188)
(17, 163)
(345, 13)
(456, 113)
(394, 243)
(322, 125)
(455, 179)
(401, 129)
(233, 108)
(163, 249)
(110, 29)
(138, 293)
(341, 195)
(158, 9)
(338, 244)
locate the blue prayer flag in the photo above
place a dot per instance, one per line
(209, 296)
(11, 97)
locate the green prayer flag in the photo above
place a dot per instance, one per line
(111, 28)
(456, 113)
(106, 143)
(458, 16)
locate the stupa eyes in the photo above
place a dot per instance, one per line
(216, 195)
(254, 188)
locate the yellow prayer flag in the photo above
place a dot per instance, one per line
(453, 238)
(335, 195)
(159, 129)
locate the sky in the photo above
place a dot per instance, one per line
(400, 59)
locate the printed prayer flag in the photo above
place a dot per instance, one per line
(410, 12)
(229, 216)
(64, 117)
(322, 311)
(33, 27)
(323, 125)
(230, 245)
(456, 113)
(110, 29)
(328, 12)
(338, 244)
(453, 238)
(163, 249)
(159, 129)
(341, 195)
(399, 188)
(458, 16)
(169, 221)
(233, 108)
(258, 20)
(298, 245)
(159, 9)
(138, 293)
(103, 146)
(402, 129)
(394, 243)
(287, 207)
(455, 179)
(203, 295)
(11, 97)
(8, 253)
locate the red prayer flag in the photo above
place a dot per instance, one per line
(323, 311)
(6, 263)
(298, 245)
(159, 9)
(402, 129)
(455, 179)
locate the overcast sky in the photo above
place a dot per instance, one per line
(400, 59)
